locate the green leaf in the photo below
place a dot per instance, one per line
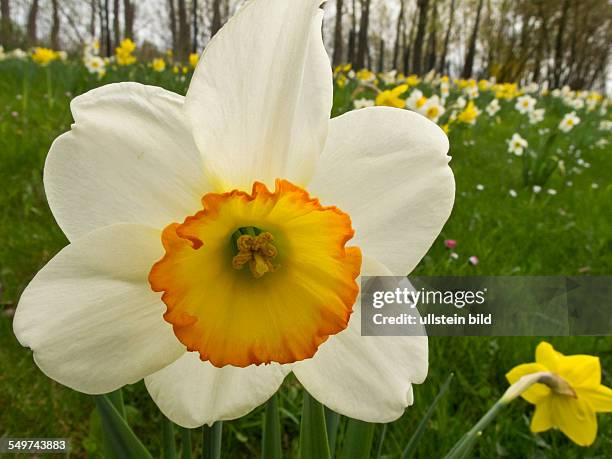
(185, 443)
(416, 436)
(271, 443)
(358, 439)
(313, 433)
(381, 440)
(332, 419)
(168, 444)
(122, 440)
(211, 448)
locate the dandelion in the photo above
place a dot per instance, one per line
(473, 260)
(158, 65)
(260, 278)
(568, 122)
(469, 114)
(525, 104)
(44, 56)
(571, 399)
(517, 144)
(391, 98)
(363, 103)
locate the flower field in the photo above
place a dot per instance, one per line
(532, 169)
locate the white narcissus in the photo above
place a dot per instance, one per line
(220, 339)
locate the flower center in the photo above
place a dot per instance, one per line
(239, 317)
(255, 249)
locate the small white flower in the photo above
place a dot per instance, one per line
(551, 191)
(568, 122)
(517, 144)
(512, 193)
(493, 107)
(454, 255)
(537, 189)
(605, 125)
(536, 116)
(363, 103)
(480, 187)
(460, 102)
(594, 186)
(415, 100)
(525, 104)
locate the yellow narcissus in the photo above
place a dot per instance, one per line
(216, 239)
(572, 399)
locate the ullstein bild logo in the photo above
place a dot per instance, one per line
(486, 306)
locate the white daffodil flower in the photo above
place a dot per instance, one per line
(568, 122)
(517, 144)
(525, 104)
(199, 258)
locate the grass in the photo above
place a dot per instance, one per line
(532, 234)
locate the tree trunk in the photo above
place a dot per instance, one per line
(362, 47)
(471, 53)
(559, 44)
(92, 19)
(107, 35)
(183, 31)
(172, 24)
(399, 31)
(337, 58)
(430, 55)
(352, 35)
(381, 56)
(116, 23)
(215, 25)
(128, 18)
(32, 20)
(442, 62)
(194, 20)
(417, 59)
(55, 25)
(6, 26)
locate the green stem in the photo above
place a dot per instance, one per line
(211, 435)
(271, 444)
(49, 88)
(185, 443)
(116, 397)
(169, 447)
(313, 433)
(332, 419)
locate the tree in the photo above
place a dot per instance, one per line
(6, 25)
(471, 53)
(451, 17)
(417, 59)
(106, 24)
(172, 24)
(381, 56)
(399, 33)
(129, 11)
(337, 57)
(215, 24)
(430, 55)
(194, 20)
(183, 31)
(559, 44)
(55, 25)
(362, 46)
(92, 18)
(116, 23)
(32, 20)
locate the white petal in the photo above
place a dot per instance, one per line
(90, 316)
(388, 169)
(192, 393)
(129, 158)
(365, 377)
(260, 99)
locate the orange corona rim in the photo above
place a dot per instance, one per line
(258, 278)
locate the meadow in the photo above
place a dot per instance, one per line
(545, 211)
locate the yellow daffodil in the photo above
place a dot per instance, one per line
(341, 80)
(413, 80)
(43, 56)
(469, 114)
(391, 97)
(366, 76)
(158, 65)
(217, 239)
(573, 409)
(123, 53)
(193, 59)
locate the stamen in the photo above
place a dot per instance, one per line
(254, 248)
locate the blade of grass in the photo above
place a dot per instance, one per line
(358, 439)
(211, 449)
(271, 443)
(313, 433)
(168, 445)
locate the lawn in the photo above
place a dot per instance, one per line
(566, 231)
